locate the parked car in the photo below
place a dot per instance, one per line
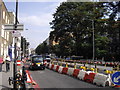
(47, 58)
(37, 62)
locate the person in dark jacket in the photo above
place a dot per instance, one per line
(1, 62)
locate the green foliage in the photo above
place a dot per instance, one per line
(42, 49)
(73, 30)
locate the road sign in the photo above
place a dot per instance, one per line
(16, 34)
(18, 62)
(116, 78)
(11, 27)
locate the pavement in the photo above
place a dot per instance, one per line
(4, 76)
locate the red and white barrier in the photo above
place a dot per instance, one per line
(29, 78)
(102, 80)
(50, 65)
(65, 70)
(70, 71)
(18, 62)
(55, 66)
(60, 69)
(81, 74)
(88, 76)
(75, 73)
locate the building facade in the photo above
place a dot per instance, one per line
(6, 39)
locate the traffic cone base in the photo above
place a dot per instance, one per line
(117, 86)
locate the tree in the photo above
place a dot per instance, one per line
(74, 21)
(42, 49)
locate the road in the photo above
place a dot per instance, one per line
(50, 79)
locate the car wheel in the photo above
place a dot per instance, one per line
(30, 68)
(43, 68)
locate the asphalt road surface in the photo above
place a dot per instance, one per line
(50, 79)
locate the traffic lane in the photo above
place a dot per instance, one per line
(50, 79)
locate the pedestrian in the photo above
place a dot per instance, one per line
(7, 61)
(1, 62)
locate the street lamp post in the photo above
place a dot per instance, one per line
(93, 40)
(15, 50)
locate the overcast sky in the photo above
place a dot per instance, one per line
(36, 17)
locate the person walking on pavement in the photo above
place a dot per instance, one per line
(1, 62)
(7, 61)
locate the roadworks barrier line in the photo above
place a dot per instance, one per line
(30, 82)
(87, 76)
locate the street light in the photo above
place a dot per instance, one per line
(15, 51)
(93, 40)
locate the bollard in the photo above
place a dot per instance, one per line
(118, 67)
(74, 65)
(105, 64)
(96, 70)
(57, 63)
(66, 65)
(52, 62)
(83, 68)
(61, 63)
(92, 69)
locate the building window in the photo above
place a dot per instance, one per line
(1, 48)
(2, 31)
(6, 19)
(3, 14)
(7, 36)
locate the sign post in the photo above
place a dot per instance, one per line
(11, 27)
(116, 78)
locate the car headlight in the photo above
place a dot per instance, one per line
(41, 62)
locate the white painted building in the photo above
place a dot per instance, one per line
(6, 39)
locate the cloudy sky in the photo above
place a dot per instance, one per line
(36, 17)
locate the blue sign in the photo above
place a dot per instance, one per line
(116, 78)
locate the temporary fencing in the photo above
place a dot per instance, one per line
(88, 76)
(60, 69)
(102, 80)
(64, 71)
(55, 66)
(75, 73)
(70, 71)
(81, 74)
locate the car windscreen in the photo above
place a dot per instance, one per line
(47, 56)
(37, 59)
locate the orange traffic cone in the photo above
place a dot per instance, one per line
(117, 86)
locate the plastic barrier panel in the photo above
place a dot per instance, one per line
(101, 79)
(52, 67)
(75, 72)
(70, 71)
(64, 71)
(60, 69)
(89, 77)
(81, 74)
(55, 66)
